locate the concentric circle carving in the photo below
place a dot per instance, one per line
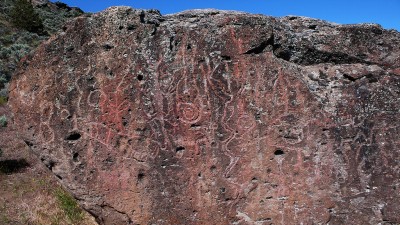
(190, 112)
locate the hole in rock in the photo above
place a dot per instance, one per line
(282, 53)
(75, 157)
(226, 57)
(140, 176)
(140, 77)
(279, 152)
(258, 49)
(73, 136)
(189, 46)
(313, 26)
(131, 27)
(108, 47)
(371, 78)
(50, 165)
(348, 77)
(213, 168)
(30, 144)
(194, 125)
(142, 15)
(179, 148)
(171, 46)
(228, 199)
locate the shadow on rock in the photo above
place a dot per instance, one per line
(13, 166)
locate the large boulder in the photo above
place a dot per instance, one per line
(217, 117)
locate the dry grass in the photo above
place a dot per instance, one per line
(29, 194)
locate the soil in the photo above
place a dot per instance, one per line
(27, 188)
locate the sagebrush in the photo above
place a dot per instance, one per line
(3, 121)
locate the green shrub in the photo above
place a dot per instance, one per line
(69, 205)
(4, 94)
(5, 53)
(3, 100)
(7, 39)
(3, 88)
(61, 5)
(54, 21)
(19, 50)
(23, 16)
(3, 78)
(3, 121)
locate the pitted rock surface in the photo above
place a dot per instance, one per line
(217, 117)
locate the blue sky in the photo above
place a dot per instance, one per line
(384, 12)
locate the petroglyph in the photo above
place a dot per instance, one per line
(190, 112)
(173, 117)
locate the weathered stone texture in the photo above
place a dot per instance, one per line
(215, 117)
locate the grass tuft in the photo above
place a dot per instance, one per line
(69, 205)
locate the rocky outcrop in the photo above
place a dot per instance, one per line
(216, 117)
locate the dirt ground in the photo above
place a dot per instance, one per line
(29, 193)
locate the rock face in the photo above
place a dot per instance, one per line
(215, 117)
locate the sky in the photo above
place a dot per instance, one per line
(383, 12)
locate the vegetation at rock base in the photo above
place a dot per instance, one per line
(23, 16)
(23, 26)
(3, 100)
(69, 205)
(28, 193)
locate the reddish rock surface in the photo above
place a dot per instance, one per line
(214, 117)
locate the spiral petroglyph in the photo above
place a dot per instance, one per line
(190, 112)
